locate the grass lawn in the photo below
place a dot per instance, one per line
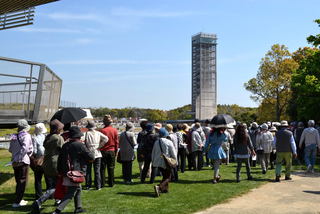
(193, 192)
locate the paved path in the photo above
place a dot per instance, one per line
(301, 195)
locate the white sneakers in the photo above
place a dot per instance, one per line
(21, 204)
(309, 168)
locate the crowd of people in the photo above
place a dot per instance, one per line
(161, 149)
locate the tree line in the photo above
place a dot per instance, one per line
(287, 85)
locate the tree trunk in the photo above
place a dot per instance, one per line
(278, 107)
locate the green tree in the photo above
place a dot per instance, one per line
(272, 83)
(305, 102)
(315, 39)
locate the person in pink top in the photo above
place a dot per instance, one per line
(21, 148)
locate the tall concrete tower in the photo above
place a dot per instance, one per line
(204, 76)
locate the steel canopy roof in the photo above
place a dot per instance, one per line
(15, 5)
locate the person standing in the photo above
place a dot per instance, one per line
(52, 147)
(147, 151)
(311, 139)
(94, 140)
(243, 148)
(253, 132)
(286, 148)
(127, 143)
(297, 136)
(174, 138)
(264, 143)
(197, 142)
(108, 151)
(21, 149)
(213, 145)
(37, 157)
(74, 156)
(140, 140)
(163, 146)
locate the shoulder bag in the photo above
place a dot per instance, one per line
(170, 162)
(75, 176)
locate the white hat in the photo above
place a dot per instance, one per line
(284, 123)
(264, 126)
(40, 128)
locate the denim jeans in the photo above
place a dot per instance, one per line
(310, 154)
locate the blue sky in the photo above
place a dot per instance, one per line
(138, 53)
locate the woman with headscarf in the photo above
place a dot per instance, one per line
(243, 148)
(37, 157)
(215, 151)
(127, 142)
(21, 149)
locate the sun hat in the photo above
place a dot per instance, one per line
(185, 127)
(254, 125)
(169, 128)
(56, 125)
(158, 126)
(91, 124)
(23, 125)
(75, 132)
(40, 128)
(163, 132)
(264, 126)
(273, 129)
(284, 123)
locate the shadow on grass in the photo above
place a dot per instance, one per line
(140, 194)
(312, 192)
(6, 201)
(5, 176)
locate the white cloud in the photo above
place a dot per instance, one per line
(119, 62)
(151, 13)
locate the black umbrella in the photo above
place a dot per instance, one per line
(68, 115)
(222, 121)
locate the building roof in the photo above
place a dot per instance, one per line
(15, 5)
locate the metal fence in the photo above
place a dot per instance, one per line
(28, 90)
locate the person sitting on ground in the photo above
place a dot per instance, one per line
(162, 147)
(74, 156)
(243, 148)
(21, 149)
(286, 148)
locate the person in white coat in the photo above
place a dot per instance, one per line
(161, 147)
(264, 143)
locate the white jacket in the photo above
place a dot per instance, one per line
(310, 136)
(264, 141)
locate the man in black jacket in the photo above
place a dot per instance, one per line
(74, 156)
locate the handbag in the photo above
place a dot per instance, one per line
(170, 162)
(75, 176)
(36, 162)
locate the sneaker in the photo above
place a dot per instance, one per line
(218, 178)
(36, 207)
(277, 179)
(57, 202)
(288, 178)
(21, 204)
(79, 210)
(214, 181)
(309, 168)
(157, 190)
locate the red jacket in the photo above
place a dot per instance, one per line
(113, 142)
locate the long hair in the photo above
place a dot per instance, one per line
(241, 134)
(219, 131)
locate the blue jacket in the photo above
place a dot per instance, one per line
(213, 145)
